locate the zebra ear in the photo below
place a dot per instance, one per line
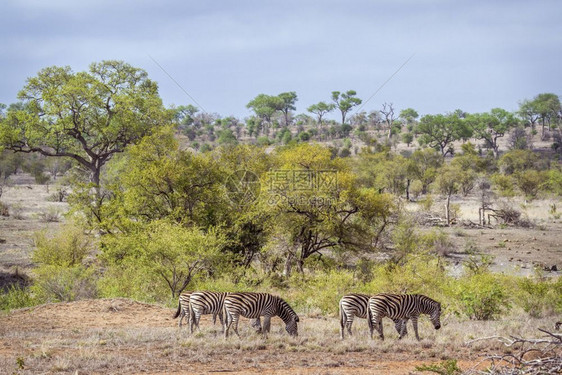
(297, 319)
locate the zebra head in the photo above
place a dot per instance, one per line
(291, 326)
(435, 314)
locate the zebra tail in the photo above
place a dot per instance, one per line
(179, 310)
(343, 319)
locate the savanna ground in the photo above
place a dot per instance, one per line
(124, 336)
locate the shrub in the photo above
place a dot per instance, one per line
(539, 297)
(66, 248)
(530, 182)
(16, 297)
(64, 284)
(504, 184)
(50, 215)
(483, 296)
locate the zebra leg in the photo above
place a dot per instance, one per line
(227, 322)
(256, 324)
(349, 323)
(221, 320)
(266, 325)
(235, 319)
(380, 329)
(415, 324)
(182, 314)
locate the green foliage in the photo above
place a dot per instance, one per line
(439, 131)
(518, 160)
(170, 252)
(320, 109)
(483, 296)
(530, 182)
(321, 291)
(66, 248)
(16, 297)
(345, 102)
(61, 274)
(504, 184)
(54, 283)
(539, 297)
(448, 367)
(407, 138)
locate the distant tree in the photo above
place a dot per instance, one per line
(388, 113)
(289, 99)
(440, 131)
(320, 109)
(184, 115)
(407, 138)
(491, 126)
(265, 106)
(448, 183)
(545, 107)
(345, 102)
(409, 117)
(423, 166)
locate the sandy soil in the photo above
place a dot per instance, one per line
(124, 336)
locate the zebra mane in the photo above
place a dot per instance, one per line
(286, 312)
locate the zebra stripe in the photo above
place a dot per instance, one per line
(253, 306)
(183, 307)
(402, 306)
(202, 303)
(357, 305)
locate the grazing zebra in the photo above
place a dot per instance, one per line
(253, 306)
(356, 305)
(402, 306)
(201, 303)
(183, 307)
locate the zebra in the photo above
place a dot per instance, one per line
(402, 306)
(201, 303)
(183, 307)
(356, 305)
(253, 306)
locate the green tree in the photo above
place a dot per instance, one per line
(175, 255)
(423, 166)
(409, 116)
(491, 126)
(289, 99)
(345, 102)
(545, 107)
(87, 116)
(265, 106)
(440, 131)
(320, 109)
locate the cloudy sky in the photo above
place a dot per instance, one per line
(472, 55)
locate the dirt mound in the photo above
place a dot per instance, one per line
(100, 313)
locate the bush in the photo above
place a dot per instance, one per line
(16, 297)
(64, 284)
(483, 296)
(66, 248)
(530, 182)
(504, 184)
(539, 297)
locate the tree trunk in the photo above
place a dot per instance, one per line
(447, 211)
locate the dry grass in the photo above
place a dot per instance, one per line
(91, 337)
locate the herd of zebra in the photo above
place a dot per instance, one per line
(230, 306)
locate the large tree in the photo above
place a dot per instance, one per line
(86, 116)
(545, 107)
(345, 102)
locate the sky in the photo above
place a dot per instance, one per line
(469, 55)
